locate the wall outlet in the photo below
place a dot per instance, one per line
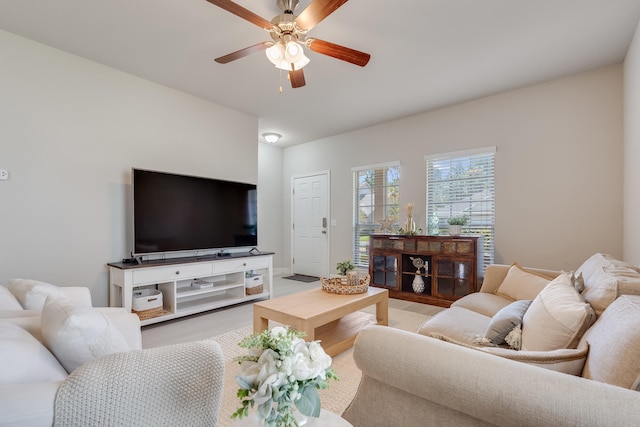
(4, 175)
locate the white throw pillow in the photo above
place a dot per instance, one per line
(24, 359)
(520, 284)
(76, 334)
(32, 293)
(557, 318)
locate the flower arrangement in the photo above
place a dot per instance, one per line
(345, 266)
(280, 371)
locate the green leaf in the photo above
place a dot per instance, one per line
(309, 403)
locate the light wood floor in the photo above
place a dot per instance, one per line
(215, 322)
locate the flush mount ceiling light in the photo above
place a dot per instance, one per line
(271, 137)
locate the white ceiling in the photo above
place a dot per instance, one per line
(425, 54)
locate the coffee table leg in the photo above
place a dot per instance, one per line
(310, 333)
(382, 312)
(259, 323)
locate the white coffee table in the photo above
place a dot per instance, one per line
(326, 419)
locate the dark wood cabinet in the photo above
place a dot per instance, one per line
(429, 269)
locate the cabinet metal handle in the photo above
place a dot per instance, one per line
(177, 272)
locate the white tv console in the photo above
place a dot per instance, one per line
(174, 278)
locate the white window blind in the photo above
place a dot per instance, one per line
(375, 200)
(462, 183)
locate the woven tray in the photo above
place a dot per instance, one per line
(339, 285)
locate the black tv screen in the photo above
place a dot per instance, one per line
(181, 213)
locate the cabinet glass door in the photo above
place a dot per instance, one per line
(385, 270)
(454, 278)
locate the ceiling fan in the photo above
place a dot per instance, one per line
(289, 34)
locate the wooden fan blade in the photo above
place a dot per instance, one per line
(260, 47)
(297, 78)
(316, 12)
(243, 13)
(339, 52)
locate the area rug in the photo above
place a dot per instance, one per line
(302, 278)
(339, 394)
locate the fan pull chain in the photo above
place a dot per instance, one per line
(280, 81)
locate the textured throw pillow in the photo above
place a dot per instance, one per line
(606, 278)
(77, 334)
(614, 344)
(577, 281)
(32, 293)
(556, 318)
(521, 284)
(24, 359)
(503, 323)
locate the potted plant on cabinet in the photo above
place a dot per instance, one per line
(456, 223)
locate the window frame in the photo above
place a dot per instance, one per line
(360, 251)
(483, 217)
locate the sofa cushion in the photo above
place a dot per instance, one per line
(557, 318)
(8, 301)
(614, 345)
(483, 302)
(520, 284)
(457, 323)
(505, 321)
(24, 359)
(32, 293)
(76, 334)
(568, 361)
(606, 278)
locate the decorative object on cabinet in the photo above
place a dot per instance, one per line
(418, 282)
(386, 224)
(456, 223)
(453, 266)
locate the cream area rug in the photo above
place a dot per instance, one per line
(339, 394)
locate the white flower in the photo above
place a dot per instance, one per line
(281, 368)
(278, 332)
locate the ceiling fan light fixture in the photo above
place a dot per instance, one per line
(271, 137)
(295, 57)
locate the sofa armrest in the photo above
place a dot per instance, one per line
(495, 273)
(127, 323)
(27, 404)
(173, 385)
(78, 294)
(444, 384)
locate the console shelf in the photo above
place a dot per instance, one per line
(224, 278)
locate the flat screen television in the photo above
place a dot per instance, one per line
(173, 213)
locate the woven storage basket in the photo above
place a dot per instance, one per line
(147, 303)
(341, 285)
(254, 290)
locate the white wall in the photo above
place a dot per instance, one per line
(270, 202)
(70, 131)
(558, 166)
(632, 151)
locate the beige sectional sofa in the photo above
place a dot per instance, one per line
(67, 363)
(578, 361)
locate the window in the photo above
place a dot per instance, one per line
(375, 204)
(462, 183)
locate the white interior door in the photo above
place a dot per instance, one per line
(310, 228)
